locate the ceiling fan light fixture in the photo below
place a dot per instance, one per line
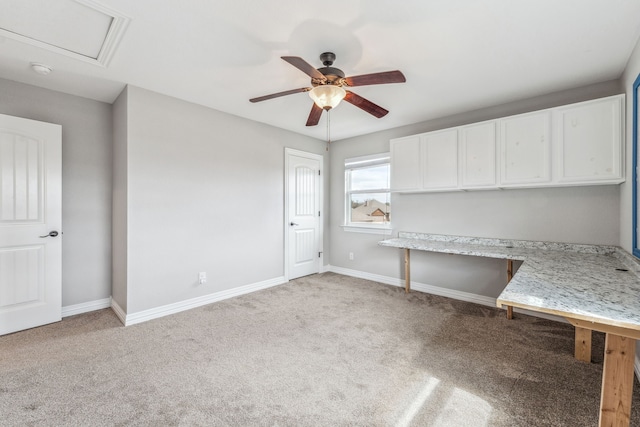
(327, 96)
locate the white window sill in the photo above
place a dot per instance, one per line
(386, 231)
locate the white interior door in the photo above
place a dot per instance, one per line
(30, 208)
(303, 219)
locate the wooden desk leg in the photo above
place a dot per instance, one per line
(617, 381)
(583, 344)
(407, 271)
(509, 277)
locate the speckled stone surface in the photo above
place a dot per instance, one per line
(588, 282)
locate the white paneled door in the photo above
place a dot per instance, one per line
(304, 230)
(30, 223)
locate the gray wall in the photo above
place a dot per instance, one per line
(119, 209)
(205, 192)
(583, 215)
(86, 183)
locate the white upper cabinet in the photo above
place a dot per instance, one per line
(577, 144)
(589, 142)
(440, 160)
(525, 149)
(406, 163)
(478, 155)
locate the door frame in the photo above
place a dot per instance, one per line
(293, 152)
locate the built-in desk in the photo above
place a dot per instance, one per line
(593, 287)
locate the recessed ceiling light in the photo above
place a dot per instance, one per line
(40, 68)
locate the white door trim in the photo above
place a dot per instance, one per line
(293, 152)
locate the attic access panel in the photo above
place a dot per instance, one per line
(81, 29)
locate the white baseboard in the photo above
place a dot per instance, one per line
(165, 310)
(120, 314)
(436, 290)
(429, 289)
(72, 310)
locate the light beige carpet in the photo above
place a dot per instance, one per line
(325, 350)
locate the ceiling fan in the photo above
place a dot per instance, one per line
(328, 85)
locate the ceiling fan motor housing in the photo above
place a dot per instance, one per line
(333, 75)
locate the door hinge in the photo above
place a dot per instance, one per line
(318, 213)
(319, 254)
(318, 172)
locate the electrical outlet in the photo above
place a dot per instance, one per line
(202, 277)
(350, 256)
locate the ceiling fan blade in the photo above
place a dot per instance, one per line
(314, 116)
(365, 104)
(279, 94)
(376, 78)
(304, 66)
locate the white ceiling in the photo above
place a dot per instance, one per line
(457, 55)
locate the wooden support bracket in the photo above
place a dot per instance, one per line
(583, 344)
(509, 277)
(407, 271)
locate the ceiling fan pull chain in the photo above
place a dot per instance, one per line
(328, 128)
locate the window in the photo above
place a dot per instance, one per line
(368, 195)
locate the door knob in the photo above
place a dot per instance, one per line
(293, 223)
(51, 234)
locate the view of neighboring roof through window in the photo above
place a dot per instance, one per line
(368, 195)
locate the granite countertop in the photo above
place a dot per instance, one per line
(588, 282)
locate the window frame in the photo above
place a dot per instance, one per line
(362, 162)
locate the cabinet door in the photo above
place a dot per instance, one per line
(405, 164)
(589, 137)
(525, 149)
(478, 155)
(440, 160)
